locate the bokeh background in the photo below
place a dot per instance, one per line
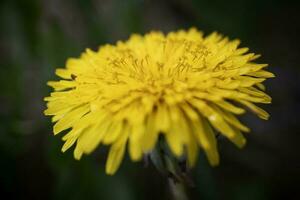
(38, 36)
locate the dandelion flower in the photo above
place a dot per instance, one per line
(183, 87)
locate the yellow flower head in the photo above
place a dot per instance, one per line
(182, 86)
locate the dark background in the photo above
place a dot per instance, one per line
(38, 36)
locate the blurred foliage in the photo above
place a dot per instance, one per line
(37, 36)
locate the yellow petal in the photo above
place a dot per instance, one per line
(62, 85)
(219, 124)
(57, 117)
(207, 140)
(254, 92)
(116, 154)
(114, 160)
(63, 73)
(259, 111)
(230, 107)
(261, 86)
(58, 108)
(192, 151)
(92, 136)
(70, 118)
(247, 81)
(203, 137)
(255, 95)
(262, 73)
(162, 118)
(68, 144)
(135, 146)
(238, 139)
(113, 132)
(174, 142)
(151, 134)
(77, 153)
(190, 112)
(74, 133)
(230, 118)
(215, 119)
(177, 137)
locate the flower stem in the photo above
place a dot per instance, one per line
(169, 166)
(176, 185)
(178, 190)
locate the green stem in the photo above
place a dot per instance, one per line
(167, 164)
(177, 187)
(178, 190)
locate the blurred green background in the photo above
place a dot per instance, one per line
(38, 36)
